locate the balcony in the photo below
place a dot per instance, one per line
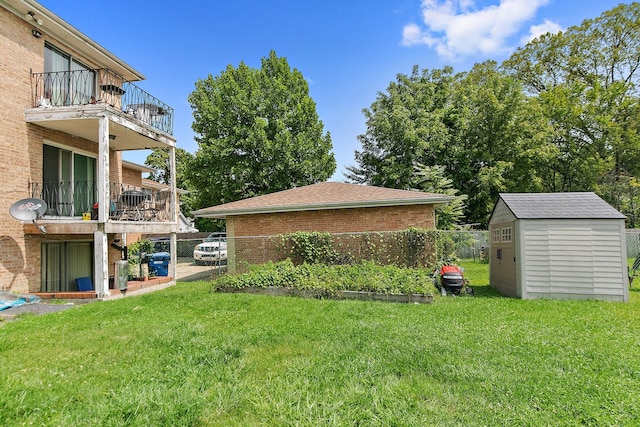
(101, 87)
(76, 201)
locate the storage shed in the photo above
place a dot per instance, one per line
(559, 246)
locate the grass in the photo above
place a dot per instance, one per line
(184, 357)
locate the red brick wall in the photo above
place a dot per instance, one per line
(391, 218)
(250, 241)
(131, 177)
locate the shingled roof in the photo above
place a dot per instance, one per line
(585, 205)
(324, 195)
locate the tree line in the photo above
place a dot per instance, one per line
(560, 115)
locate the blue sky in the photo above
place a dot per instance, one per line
(348, 50)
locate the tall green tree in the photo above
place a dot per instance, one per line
(492, 139)
(257, 132)
(585, 82)
(406, 125)
(432, 179)
(473, 124)
(159, 160)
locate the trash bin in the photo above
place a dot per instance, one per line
(122, 274)
(159, 263)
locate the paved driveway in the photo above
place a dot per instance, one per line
(187, 271)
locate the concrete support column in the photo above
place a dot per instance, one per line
(174, 254)
(103, 170)
(101, 263)
(100, 243)
(174, 200)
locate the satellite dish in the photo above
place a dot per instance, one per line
(29, 210)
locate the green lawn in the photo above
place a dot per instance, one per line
(185, 357)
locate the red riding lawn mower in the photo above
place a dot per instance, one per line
(449, 280)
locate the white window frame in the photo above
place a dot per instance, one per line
(495, 235)
(507, 235)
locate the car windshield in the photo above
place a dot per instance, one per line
(216, 237)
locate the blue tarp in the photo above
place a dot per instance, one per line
(9, 299)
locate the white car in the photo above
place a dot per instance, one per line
(210, 252)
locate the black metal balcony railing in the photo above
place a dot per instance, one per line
(65, 199)
(83, 87)
(126, 203)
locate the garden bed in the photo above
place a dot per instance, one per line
(318, 293)
(364, 281)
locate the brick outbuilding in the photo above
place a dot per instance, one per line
(332, 207)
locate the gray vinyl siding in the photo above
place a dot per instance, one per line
(573, 259)
(501, 213)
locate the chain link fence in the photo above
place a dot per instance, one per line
(401, 248)
(633, 243)
(185, 247)
(410, 248)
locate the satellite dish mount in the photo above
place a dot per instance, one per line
(29, 210)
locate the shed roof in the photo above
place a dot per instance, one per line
(583, 205)
(324, 195)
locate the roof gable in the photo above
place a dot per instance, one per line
(324, 195)
(583, 205)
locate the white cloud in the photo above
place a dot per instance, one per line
(412, 35)
(459, 28)
(537, 30)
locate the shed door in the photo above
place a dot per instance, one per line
(503, 265)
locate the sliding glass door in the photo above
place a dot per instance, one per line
(68, 181)
(67, 81)
(63, 262)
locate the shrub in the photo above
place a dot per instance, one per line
(366, 276)
(134, 250)
(310, 247)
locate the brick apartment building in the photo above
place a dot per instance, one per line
(69, 108)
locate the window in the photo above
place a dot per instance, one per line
(68, 181)
(495, 235)
(63, 263)
(506, 235)
(67, 82)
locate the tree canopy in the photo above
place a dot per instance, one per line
(159, 160)
(257, 132)
(561, 114)
(585, 84)
(470, 126)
